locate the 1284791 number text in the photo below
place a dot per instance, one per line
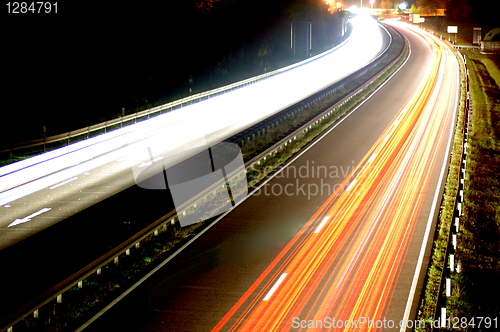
(39, 7)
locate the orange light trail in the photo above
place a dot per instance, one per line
(346, 261)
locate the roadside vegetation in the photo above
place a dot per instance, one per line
(476, 289)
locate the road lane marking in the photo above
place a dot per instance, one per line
(275, 287)
(64, 182)
(28, 218)
(351, 185)
(325, 219)
(387, 138)
(372, 157)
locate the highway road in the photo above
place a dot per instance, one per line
(340, 235)
(41, 191)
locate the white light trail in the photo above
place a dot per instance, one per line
(209, 121)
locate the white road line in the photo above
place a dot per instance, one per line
(387, 138)
(63, 183)
(372, 157)
(325, 219)
(351, 185)
(275, 287)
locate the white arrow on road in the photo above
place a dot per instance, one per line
(28, 218)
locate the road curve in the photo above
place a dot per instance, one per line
(337, 235)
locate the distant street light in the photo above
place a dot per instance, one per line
(403, 6)
(372, 2)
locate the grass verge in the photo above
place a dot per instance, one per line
(476, 289)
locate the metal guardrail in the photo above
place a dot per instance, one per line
(467, 47)
(154, 111)
(57, 291)
(449, 265)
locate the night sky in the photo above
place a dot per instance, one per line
(79, 62)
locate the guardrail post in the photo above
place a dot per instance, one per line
(443, 317)
(80, 284)
(59, 298)
(116, 260)
(35, 313)
(98, 272)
